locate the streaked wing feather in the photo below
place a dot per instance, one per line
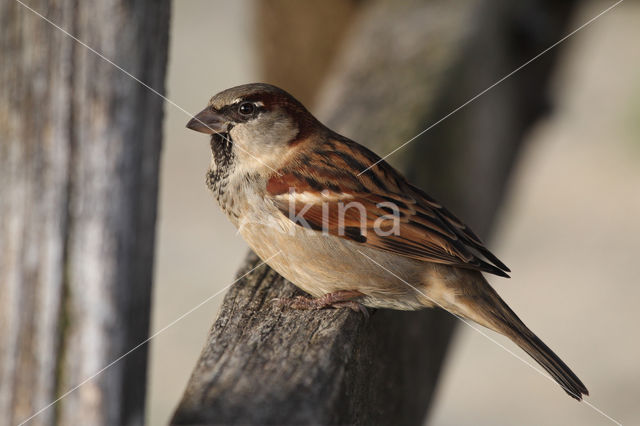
(427, 231)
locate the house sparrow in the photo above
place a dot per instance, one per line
(348, 238)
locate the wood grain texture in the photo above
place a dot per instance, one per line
(78, 180)
(403, 66)
(301, 356)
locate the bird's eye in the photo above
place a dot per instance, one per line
(246, 108)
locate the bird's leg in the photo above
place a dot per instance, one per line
(338, 299)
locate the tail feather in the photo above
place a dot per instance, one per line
(538, 350)
(487, 308)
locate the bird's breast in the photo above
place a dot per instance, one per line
(321, 264)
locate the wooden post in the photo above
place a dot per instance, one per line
(79, 150)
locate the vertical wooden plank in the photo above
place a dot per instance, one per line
(34, 160)
(78, 182)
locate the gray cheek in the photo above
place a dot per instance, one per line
(281, 131)
(266, 131)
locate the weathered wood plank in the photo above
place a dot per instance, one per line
(302, 356)
(79, 158)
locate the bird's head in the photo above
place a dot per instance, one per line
(260, 123)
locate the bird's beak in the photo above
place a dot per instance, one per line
(208, 121)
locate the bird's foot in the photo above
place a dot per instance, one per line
(338, 299)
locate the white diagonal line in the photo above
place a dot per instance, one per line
(136, 347)
(590, 21)
(127, 73)
(491, 339)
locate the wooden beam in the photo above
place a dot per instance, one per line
(79, 157)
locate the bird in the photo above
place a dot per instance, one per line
(343, 225)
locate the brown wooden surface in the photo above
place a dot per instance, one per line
(79, 151)
(296, 41)
(404, 66)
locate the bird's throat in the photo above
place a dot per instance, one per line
(222, 150)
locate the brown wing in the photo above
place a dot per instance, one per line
(378, 208)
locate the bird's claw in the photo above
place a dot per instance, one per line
(324, 302)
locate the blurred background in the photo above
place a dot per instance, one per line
(568, 227)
